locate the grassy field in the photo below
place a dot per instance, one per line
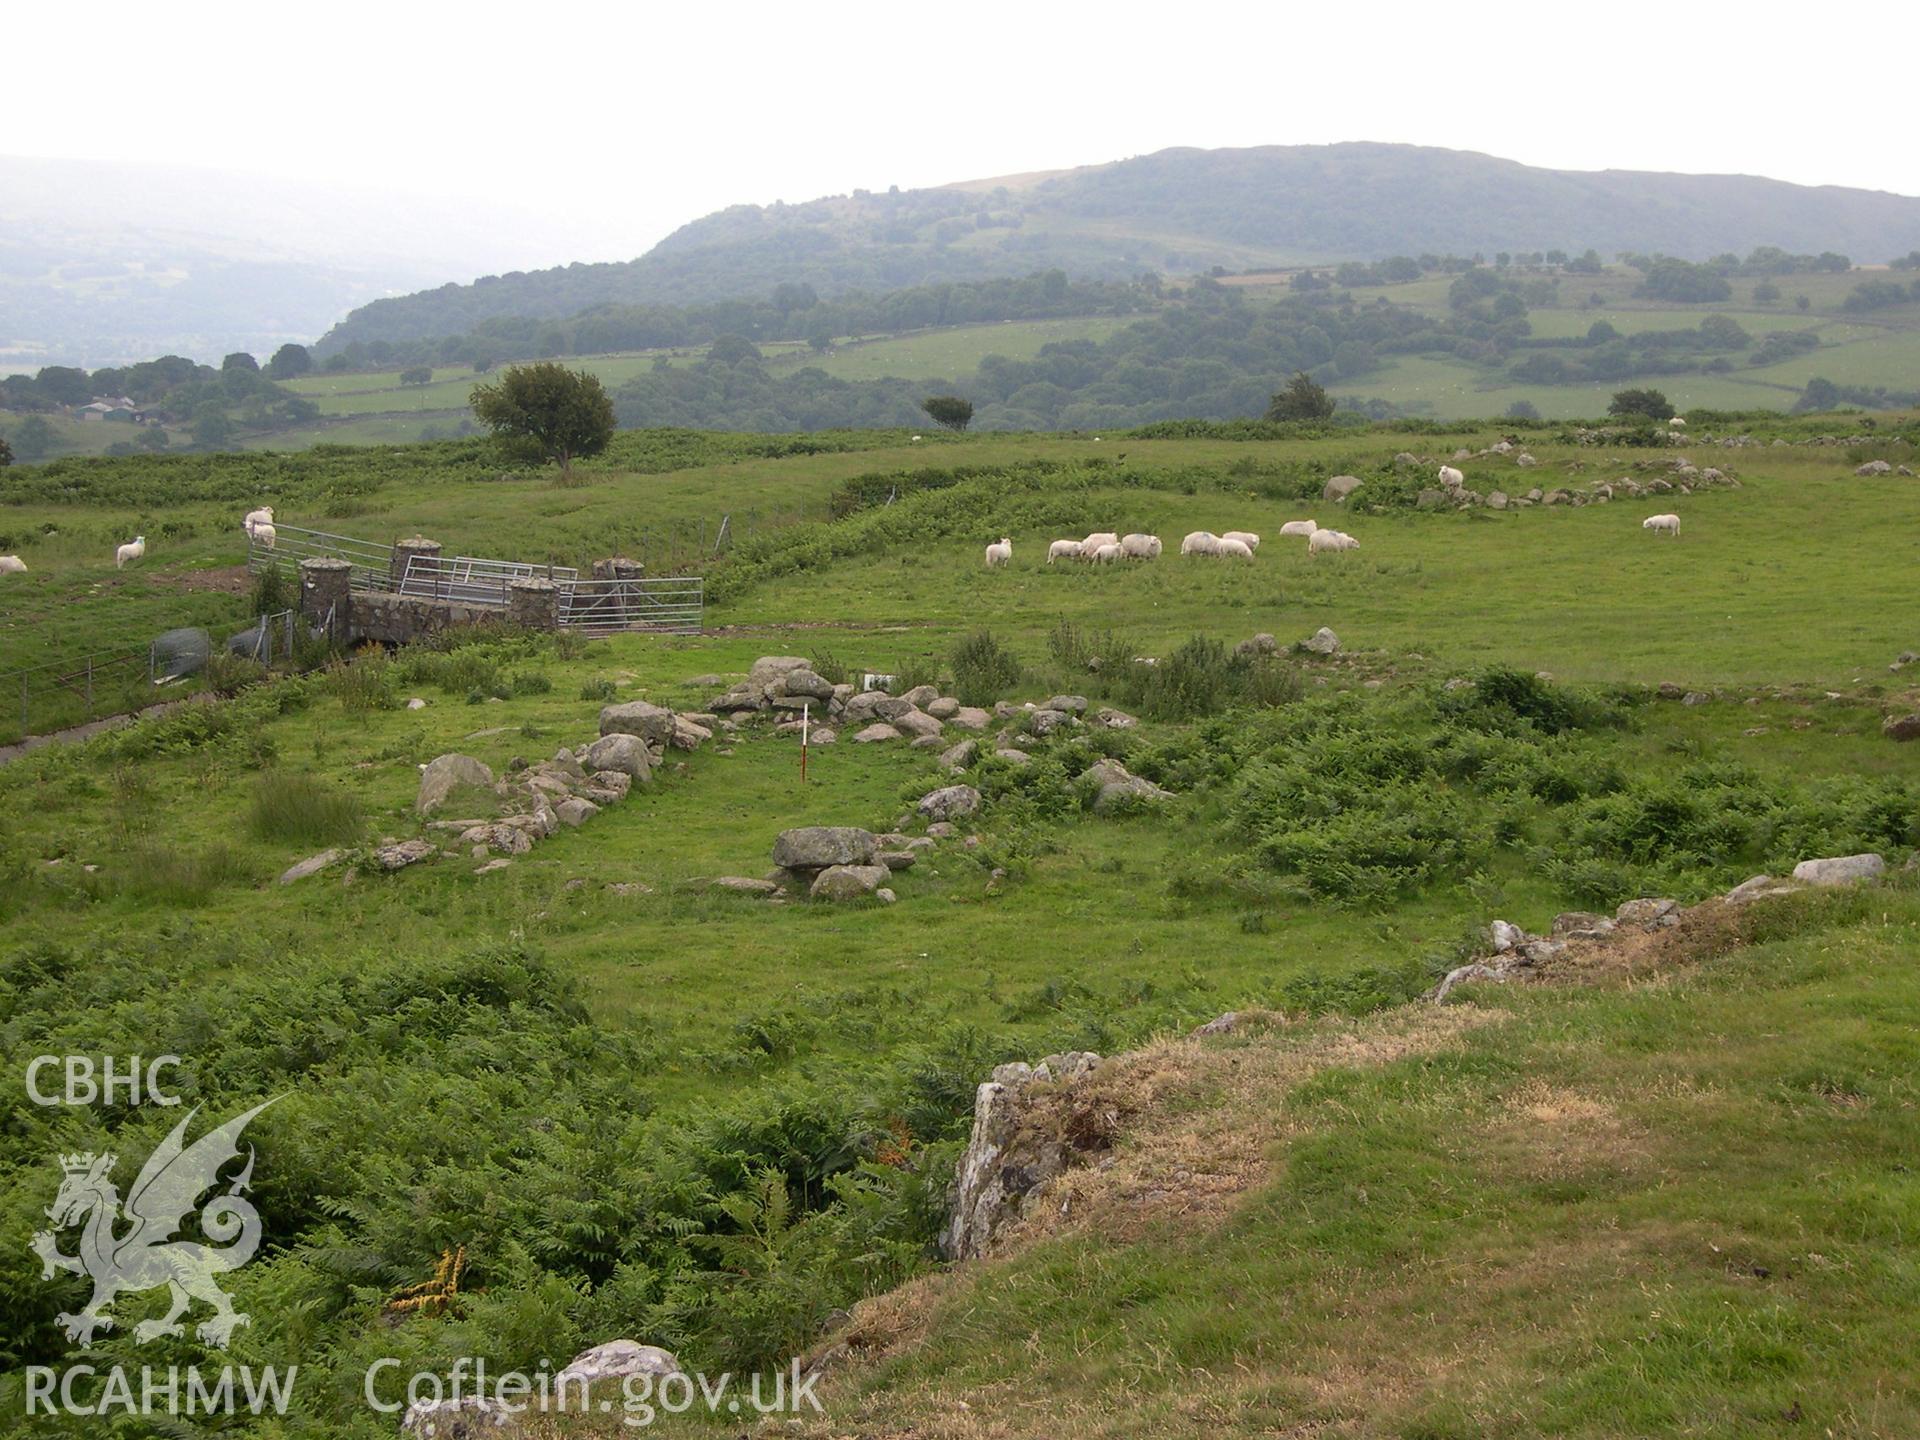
(580, 1067)
(945, 354)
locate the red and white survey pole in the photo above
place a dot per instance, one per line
(805, 714)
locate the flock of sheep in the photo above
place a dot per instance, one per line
(258, 525)
(1103, 547)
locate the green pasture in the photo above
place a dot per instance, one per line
(949, 353)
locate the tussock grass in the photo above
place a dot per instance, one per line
(290, 807)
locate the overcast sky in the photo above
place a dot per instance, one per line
(617, 122)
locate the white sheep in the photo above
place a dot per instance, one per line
(263, 535)
(1662, 525)
(1299, 527)
(130, 552)
(1245, 537)
(1676, 423)
(1330, 540)
(1063, 550)
(1140, 547)
(12, 565)
(916, 439)
(1000, 552)
(262, 516)
(1451, 477)
(1233, 549)
(1094, 541)
(1200, 542)
(1106, 554)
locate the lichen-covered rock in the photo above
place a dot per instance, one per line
(943, 707)
(1581, 925)
(814, 847)
(1340, 487)
(575, 811)
(949, 802)
(848, 882)
(920, 696)
(1322, 642)
(620, 753)
(875, 733)
(650, 722)
(745, 885)
(617, 1359)
(971, 717)
(402, 853)
(1008, 1157)
(916, 723)
(958, 757)
(1840, 870)
(444, 776)
(1120, 789)
(1649, 913)
(312, 865)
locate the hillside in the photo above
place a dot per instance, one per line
(1177, 212)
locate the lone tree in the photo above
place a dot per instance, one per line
(289, 362)
(1643, 404)
(547, 410)
(948, 410)
(417, 375)
(6, 453)
(1303, 399)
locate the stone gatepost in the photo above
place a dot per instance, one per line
(326, 592)
(618, 567)
(405, 550)
(533, 604)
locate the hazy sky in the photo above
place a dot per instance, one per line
(616, 122)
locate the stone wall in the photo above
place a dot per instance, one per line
(403, 619)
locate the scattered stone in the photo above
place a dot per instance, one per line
(1067, 704)
(1651, 913)
(1464, 973)
(1840, 870)
(1261, 644)
(1696, 697)
(312, 865)
(1015, 757)
(1220, 1024)
(1539, 952)
(943, 707)
(1119, 788)
(958, 757)
(416, 703)
(885, 895)
(1581, 925)
(1758, 887)
(1505, 936)
(638, 717)
(493, 865)
(621, 753)
(400, 854)
(1322, 642)
(942, 830)
(848, 882)
(897, 859)
(629, 889)
(687, 735)
(875, 732)
(1901, 727)
(815, 847)
(972, 717)
(575, 811)
(1874, 467)
(745, 885)
(950, 802)
(618, 1359)
(446, 774)
(1112, 719)
(1340, 487)
(917, 723)
(1008, 1159)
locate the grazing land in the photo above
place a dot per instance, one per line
(1667, 1193)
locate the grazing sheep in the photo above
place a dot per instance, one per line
(916, 439)
(1140, 547)
(1676, 423)
(1245, 537)
(263, 535)
(130, 552)
(1232, 549)
(1298, 527)
(262, 516)
(1094, 541)
(1200, 542)
(1451, 477)
(1000, 552)
(1662, 525)
(12, 565)
(1330, 540)
(1106, 554)
(1063, 550)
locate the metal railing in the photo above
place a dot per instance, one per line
(672, 604)
(371, 562)
(469, 580)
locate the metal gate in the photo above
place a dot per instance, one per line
(669, 603)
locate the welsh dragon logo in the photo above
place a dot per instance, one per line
(144, 1255)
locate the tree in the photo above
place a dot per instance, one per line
(948, 410)
(1820, 394)
(211, 429)
(64, 385)
(6, 453)
(547, 410)
(417, 375)
(1646, 404)
(240, 360)
(1523, 410)
(33, 439)
(1800, 302)
(1303, 399)
(152, 437)
(289, 362)
(1765, 293)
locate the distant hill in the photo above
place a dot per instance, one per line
(1178, 211)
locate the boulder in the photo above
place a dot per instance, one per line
(618, 1359)
(744, 885)
(1840, 870)
(864, 707)
(943, 707)
(928, 742)
(618, 782)
(917, 723)
(492, 865)
(1118, 787)
(1012, 1151)
(769, 668)
(463, 1417)
(971, 717)
(804, 685)
(950, 802)
(848, 882)
(576, 811)
(958, 757)
(814, 847)
(687, 735)
(822, 735)
(920, 696)
(1759, 887)
(1340, 487)
(446, 774)
(1505, 936)
(897, 859)
(1322, 642)
(1067, 704)
(879, 730)
(1464, 973)
(416, 703)
(1261, 644)
(397, 855)
(1901, 727)
(1112, 719)
(1581, 925)
(1874, 467)
(1045, 722)
(501, 838)
(1013, 757)
(312, 865)
(1430, 499)
(1496, 499)
(1651, 914)
(650, 722)
(621, 753)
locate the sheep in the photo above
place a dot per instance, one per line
(1676, 423)
(1662, 524)
(1000, 552)
(1299, 527)
(1232, 549)
(1245, 537)
(12, 565)
(1106, 554)
(130, 552)
(916, 439)
(262, 516)
(263, 535)
(1200, 542)
(1330, 540)
(1451, 477)
(1094, 541)
(1141, 547)
(1063, 550)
